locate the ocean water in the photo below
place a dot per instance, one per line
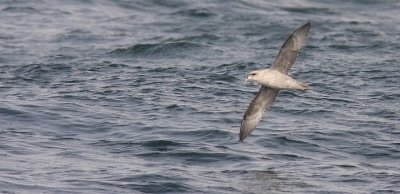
(147, 96)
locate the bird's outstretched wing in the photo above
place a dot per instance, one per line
(290, 49)
(263, 100)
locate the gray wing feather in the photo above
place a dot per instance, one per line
(263, 100)
(290, 49)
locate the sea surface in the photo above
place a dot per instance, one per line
(147, 96)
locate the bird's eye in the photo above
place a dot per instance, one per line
(253, 73)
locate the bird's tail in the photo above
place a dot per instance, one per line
(304, 86)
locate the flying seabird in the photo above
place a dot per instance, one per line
(274, 79)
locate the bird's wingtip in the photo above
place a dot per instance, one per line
(307, 25)
(242, 135)
(241, 138)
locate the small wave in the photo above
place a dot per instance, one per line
(222, 77)
(107, 65)
(347, 166)
(238, 66)
(309, 10)
(21, 9)
(61, 57)
(205, 38)
(77, 35)
(203, 134)
(163, 70)
(39, 68)
(195, 156)
(280, 141)
(166, 49)
(165, 186)
(7, 111)
(285, 157)
(161, 145)
(169, 4)
(197, 13)
(176, 107)
(41, 73)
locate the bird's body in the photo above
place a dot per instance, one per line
(277, 80)
(274, 79)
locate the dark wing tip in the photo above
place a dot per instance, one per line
(242, 135)
(241, 138)
(306, 27)
(250, 121)
(248, 125)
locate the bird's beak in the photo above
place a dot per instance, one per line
(247, 79)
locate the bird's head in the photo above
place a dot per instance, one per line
(254, 76)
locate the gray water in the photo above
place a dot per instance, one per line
(147, 96)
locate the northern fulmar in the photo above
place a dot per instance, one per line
(274, 79)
